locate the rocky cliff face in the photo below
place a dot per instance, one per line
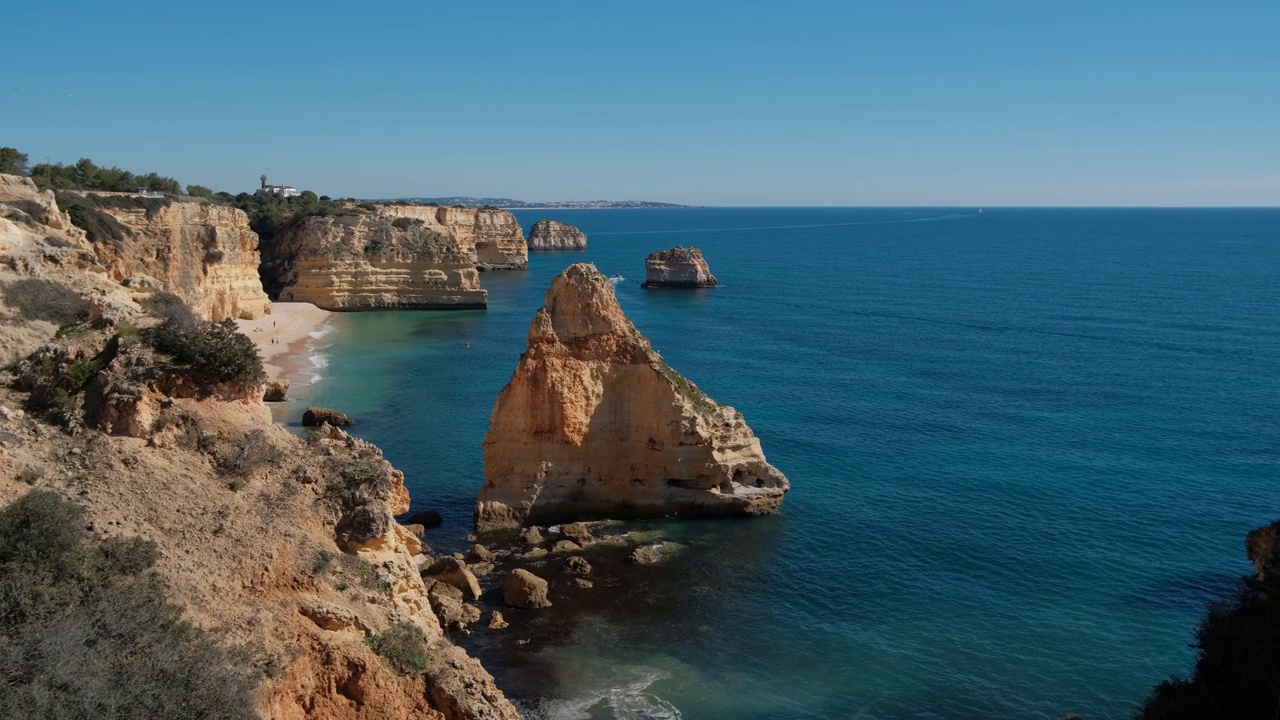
(283, 548)
(551, 235)
(594, 424)
(41, 206)
(203, 253)
(493, 237)
(360, 262)
(679, 267)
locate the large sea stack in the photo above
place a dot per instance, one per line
(679, 267)
(551, 235)
(594, 424)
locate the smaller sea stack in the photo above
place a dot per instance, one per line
(679, 267)
(551, 235)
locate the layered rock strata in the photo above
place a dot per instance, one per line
(594, 424)
(363, 262)
(551, 235)
(492, 237)
(679, 267)
(205, 254)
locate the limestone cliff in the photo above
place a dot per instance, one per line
(679, 267)
(493, 237)
(594, 424)
(203, 253)
(551, 235)
(363, 261)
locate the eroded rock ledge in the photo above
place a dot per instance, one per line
(552, 235)
(679, 267)
(595, 424)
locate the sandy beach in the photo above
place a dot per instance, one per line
(283, 335)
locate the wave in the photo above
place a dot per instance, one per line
(630, 700)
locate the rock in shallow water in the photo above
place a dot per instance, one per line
(679, 267)
(315, 417)
(523, 589)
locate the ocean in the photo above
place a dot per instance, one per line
(1025, 446)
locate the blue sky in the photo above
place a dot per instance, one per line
(724, 103)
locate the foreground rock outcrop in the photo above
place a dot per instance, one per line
(369, 261)
(679, 267)
(1262, 546)
(205, 254)
(595, 424)
(551, 235)
(491, 237)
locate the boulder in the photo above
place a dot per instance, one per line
(315, 417)
(523, 589)
(497, 622)
(577, 532)
(275, 390)
(415, 530)
(532, 536)
(447, 604)
(565, 547)
(480, 553)
(679, 267)
(577, 565)
(594, 424)
(551, 235)
(653, 554)
(454, 572)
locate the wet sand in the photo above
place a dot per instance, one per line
(282, 336)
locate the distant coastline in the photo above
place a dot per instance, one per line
(510, 204)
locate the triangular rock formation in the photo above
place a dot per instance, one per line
(594, 424)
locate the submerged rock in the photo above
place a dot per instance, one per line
(551, 235)
(594, 424)
(523, 589)
(577, 565)
(425, 518)
(679, 267)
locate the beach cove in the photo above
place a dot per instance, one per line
(987, 466)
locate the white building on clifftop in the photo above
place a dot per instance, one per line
(281, 190)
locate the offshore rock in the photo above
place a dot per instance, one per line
(365, 262)
(492, 238)
(679, 267)
(551, 235)
(594, 424)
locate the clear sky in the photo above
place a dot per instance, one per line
(701, 102)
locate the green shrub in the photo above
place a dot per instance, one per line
(218, 350)
(34, 211)
(40, 299)
(402, 646)
(86, 632)
(248, 453)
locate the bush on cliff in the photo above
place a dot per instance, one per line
(99, 226)
(217, 350)
(1237, 670)
(86, 632)
(40, 299)
(402, 646)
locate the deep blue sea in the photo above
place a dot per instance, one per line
(1025, 446)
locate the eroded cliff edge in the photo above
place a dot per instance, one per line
(369, 261)
(595, 424)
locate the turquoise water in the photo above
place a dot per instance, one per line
(1024, 447)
